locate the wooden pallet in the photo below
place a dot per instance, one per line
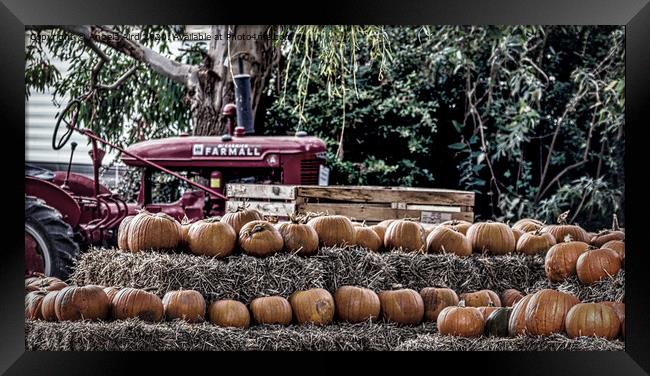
(361, 203)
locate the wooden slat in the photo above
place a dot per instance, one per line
(386, 194)
(435, 208)
(375, 213)
(261, 191)
(280, 209)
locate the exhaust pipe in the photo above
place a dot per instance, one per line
(243, 100)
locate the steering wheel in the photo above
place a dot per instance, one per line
(71, 109)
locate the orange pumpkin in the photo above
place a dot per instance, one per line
(333, 230)
(458, 225)
(461, 321)
(403, 306)
(271, 310)
(532, 243)
(511, 296)
(81, 303)
(546, 311)
(211, 237)
(130, 302)
(592, 319)
(229, 313)
(561, 260)
(437, 299)
(444, 239)
(33, 302)
(517, 233)
(528, 225)
(563, 231)
(123, 233)
(619, 308)
(597, 264)
(187, 305)
(406, 235)
(314, 306)
(48, 311)
(486, 311)
(491, 237)
(298, 237)
(617, 246)
(606, 236)
(260, 238)
(380, 231)
(517, 321)
(356, 304)
(241, 216)
(367, 238)
(482, 298)
(157, 231)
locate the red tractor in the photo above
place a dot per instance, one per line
(66, 212)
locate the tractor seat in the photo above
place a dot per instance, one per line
(38, 172)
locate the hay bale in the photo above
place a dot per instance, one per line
(243, 277)
(555, 342)
(136, 335)
(612, 288)
(239, 277)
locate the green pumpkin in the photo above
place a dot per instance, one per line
(496, 324)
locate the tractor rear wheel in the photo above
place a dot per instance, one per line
(49, 245)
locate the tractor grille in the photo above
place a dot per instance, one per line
(309, 169)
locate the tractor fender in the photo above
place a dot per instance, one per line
(80, 185)
(55, 197)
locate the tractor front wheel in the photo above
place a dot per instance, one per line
(49, 245)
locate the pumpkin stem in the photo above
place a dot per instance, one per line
(562, 218)
(212, 219)
(271, 218)
(461, 303)
(257, 228)
(615, 226)
(568, 238)
(185, 220)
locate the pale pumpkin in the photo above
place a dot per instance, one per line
(517, 321)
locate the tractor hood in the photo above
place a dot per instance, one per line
(204, 150)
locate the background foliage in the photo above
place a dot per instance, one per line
(531, 118)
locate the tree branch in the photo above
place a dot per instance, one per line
(163, 65)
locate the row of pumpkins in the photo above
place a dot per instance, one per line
(569, 249)
(471, 315)
(304, 234)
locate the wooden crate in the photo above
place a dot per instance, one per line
(361, 203)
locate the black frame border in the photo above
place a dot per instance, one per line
(635, 14)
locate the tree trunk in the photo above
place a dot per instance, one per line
(213, 87)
